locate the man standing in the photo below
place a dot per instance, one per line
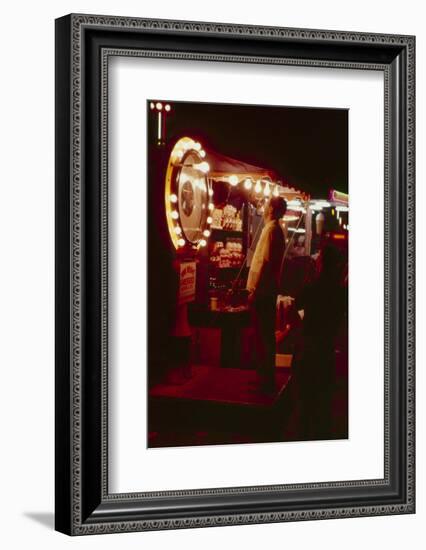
(263, 286)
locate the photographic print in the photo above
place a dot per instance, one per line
(248, 231)
(202, 314)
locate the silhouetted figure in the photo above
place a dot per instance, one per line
(324, 303)
(262, 285)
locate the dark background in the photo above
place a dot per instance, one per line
(307, 147)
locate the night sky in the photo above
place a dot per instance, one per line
(307, 147)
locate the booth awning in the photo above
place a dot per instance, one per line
(222, 166)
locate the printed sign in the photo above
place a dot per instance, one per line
(188, 271)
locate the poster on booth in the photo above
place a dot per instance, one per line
(187, 278)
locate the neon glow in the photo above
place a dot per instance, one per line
(159, 125)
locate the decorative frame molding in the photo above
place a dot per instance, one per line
(83, 47)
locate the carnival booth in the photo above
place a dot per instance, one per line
(214, 208)
(213, 211)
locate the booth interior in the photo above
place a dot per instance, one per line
(205, 218)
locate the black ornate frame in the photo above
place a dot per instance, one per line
(83, 45)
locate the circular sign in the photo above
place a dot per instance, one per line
(188, 195)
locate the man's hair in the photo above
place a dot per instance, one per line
(278, 206)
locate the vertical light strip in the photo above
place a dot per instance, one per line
(159, 125)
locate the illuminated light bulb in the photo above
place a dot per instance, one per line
(233, 180)
(248, 183)
(151, 105)
(211, 206)
(159, 106)
(206, 233)
(181, 242)
(267, 190)
(202, 153)
(276, 193)
(203, 167)
(178, 230)
(210, 192)
(175, 215)
(209, 219)
(167, 107)
(173, 198)
(332, 211)
(344, 226)
(178, 153)
(203, 242)
(258, 187)
(197, 146)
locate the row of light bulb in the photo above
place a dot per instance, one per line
(184, 146)
(159, 106)
(248, 184)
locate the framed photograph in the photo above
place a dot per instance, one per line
(234, 274)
